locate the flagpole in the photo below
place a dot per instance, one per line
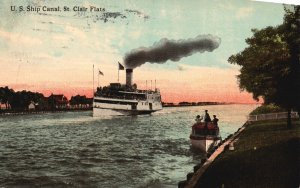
(98, 79)
(120, 67)
(93, 80)
(118, 72)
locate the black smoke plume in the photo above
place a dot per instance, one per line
(173, 50)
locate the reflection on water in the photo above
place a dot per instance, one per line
(73, 149)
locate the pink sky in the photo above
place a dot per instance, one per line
(167, 95)
(218, 85)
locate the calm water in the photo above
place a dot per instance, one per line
(73, 149)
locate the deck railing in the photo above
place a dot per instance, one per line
(270, 116)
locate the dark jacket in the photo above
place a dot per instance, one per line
(207, 118)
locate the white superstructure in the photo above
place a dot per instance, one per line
(127, 103)
(117, 99)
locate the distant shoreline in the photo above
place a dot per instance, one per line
(184, 104)
(25, 112)
(166, 105)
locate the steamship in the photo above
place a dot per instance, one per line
(125, 99)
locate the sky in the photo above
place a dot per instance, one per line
(54, 51)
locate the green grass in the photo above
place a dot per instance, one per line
(267, 154)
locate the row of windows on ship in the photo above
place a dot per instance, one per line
(135, 97)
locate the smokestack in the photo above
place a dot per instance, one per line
(129, 77)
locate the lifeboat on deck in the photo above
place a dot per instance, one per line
(205, 136)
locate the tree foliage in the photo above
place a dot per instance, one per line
(21, 99)
(267, 108)
(6, 95)
(270, 66)
(79, 100)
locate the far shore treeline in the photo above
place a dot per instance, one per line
(19, 101)
(16, 101)
(192, 104)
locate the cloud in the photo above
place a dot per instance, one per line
(240, 12)
(19, 38)
(79, 34)
(181, 68)
(135, 34)
(138, 13)
(226, 5)
(244, 12)
(293, 2)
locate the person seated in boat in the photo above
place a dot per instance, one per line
(198, 118)
(215, 120)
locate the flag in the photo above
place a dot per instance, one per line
(121, 67)
(101, 73)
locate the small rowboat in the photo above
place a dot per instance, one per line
(204, 136)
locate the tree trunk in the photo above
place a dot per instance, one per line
(289, 119)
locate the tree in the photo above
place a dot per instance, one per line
(81, 101)
(21, 99)
(6, 95)
(76, 100)
(291, 29)
(270, 66)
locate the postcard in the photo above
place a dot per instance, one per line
(97, 93)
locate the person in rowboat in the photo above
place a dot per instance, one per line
(206, 118)
(215, 120)
(198, 118)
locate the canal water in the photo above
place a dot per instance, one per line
(73, 149)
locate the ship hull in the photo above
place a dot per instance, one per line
(204, 143)
(113, 107)
(98, 112)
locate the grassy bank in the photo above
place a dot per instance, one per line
(267, 154)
